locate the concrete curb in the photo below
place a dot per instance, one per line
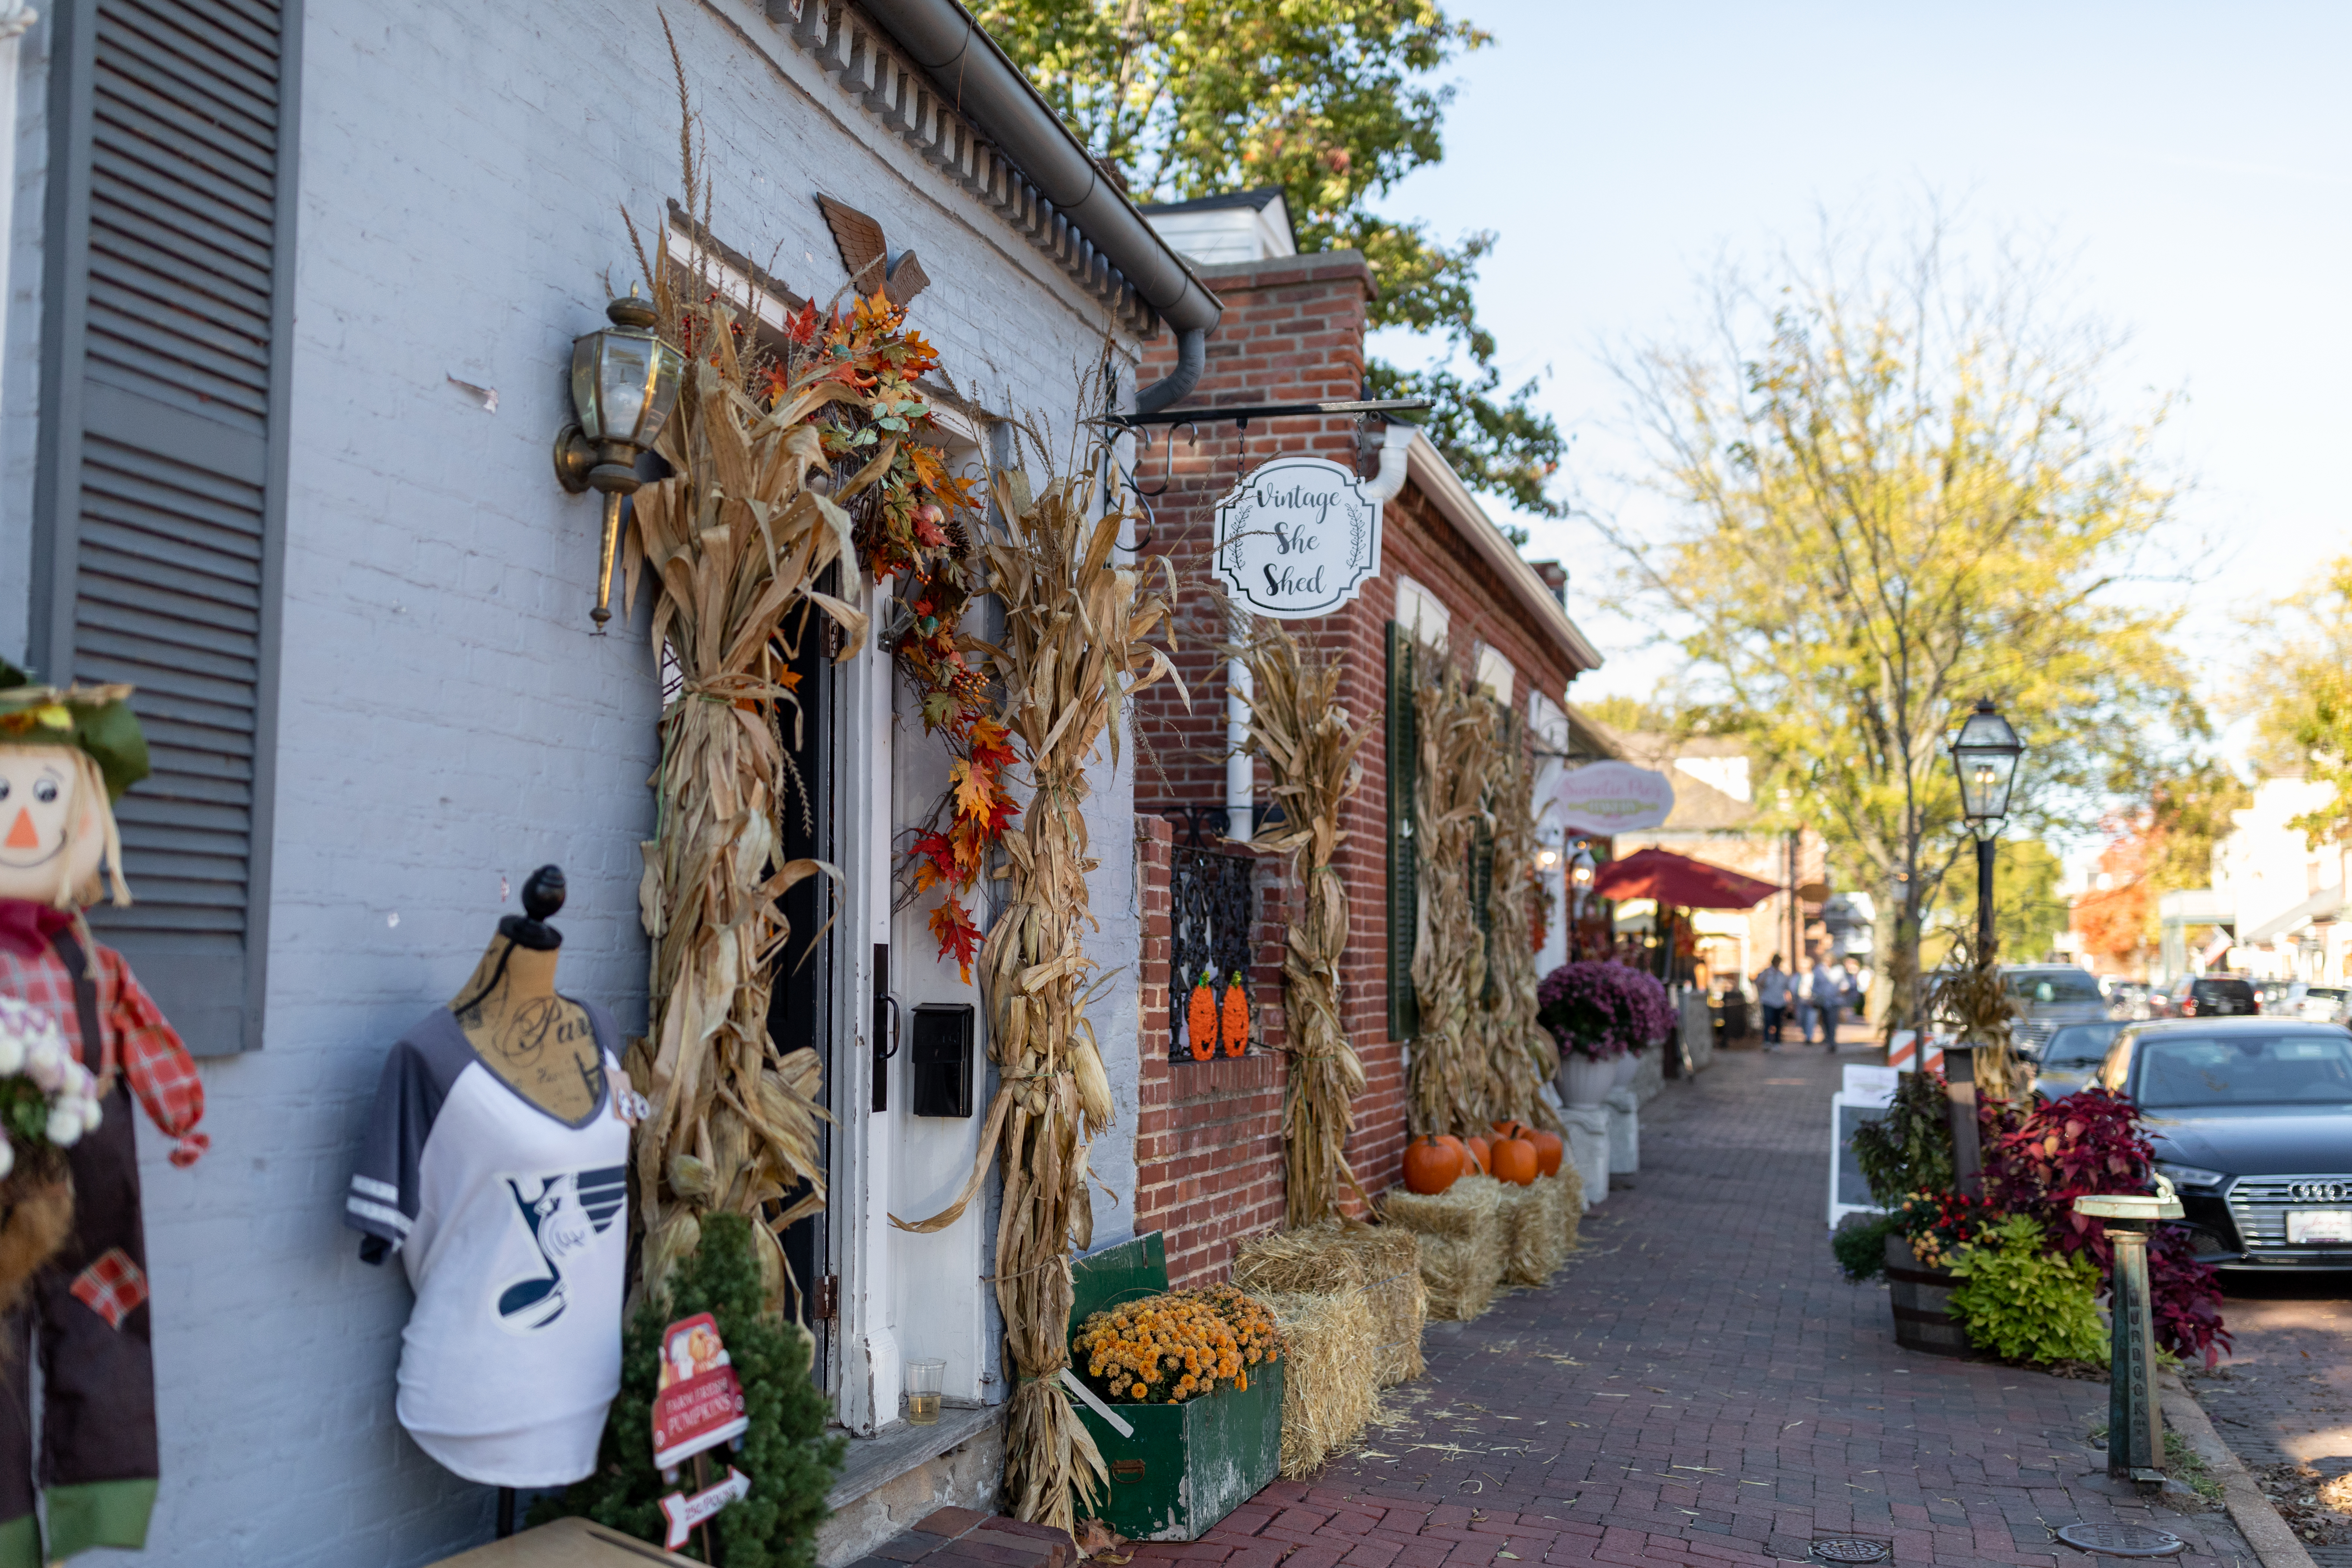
(2257, 1520)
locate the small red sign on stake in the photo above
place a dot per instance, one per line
(698, 1404)
(684, 1513)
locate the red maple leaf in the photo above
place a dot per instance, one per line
(959, 938)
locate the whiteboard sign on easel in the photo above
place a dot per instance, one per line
(1298, 537)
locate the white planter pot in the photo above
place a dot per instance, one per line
(1586, 1083)
(1627, 1066)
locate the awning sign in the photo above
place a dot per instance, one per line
(1297, 538)
(1612, 797)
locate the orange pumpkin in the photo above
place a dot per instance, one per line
(1236, 1018)
(1512, 1130)
(1201, 1022)
(1461, 1153)
(1482, 1154)
(1549, 1152)
(1430, 1166)
(1515, 1162)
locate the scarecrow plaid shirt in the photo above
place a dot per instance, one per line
(139, 1041)
(113, 1287)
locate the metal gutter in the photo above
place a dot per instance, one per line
(978, 80)
(1435, 478)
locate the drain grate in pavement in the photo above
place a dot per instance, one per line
(1851, 1549)
(2122, 1540)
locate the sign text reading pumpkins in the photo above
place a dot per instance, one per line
(1298, 537)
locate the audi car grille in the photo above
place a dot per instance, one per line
(2260, 1205)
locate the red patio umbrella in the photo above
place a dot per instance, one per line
(1679, 881)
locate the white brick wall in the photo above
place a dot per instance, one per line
(447, 720)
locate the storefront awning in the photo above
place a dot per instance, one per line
(2324, 904)
(1679, 880)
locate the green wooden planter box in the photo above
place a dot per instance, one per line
(1188, 1464)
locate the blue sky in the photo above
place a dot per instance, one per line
(2193, 164)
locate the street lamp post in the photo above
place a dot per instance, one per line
(1985, 755)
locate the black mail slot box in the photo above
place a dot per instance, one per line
(939, 1059)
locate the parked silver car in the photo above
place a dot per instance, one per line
(2069, 1057)
(2047, 995)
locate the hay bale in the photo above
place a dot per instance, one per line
(1382, 1261)
(1329, 1346)
(1572, 1206)
(1535, 1242)
(1461, 1238)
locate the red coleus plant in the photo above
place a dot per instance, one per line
(2039, 1160)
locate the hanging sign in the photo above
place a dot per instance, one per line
(1612, 797)
(698, 1404)
(1296, 538)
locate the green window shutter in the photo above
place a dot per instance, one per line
(1404, 881)
(160, 493)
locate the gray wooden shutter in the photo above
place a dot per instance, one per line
(1404, 875)
(160, 501)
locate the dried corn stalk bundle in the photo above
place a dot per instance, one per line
(1075, 650)
(732, 545)
(1967, 995)
(1449, 1082)
(1309, 747)
(1521, 1054)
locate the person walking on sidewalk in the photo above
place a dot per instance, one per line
(1772, 995)
(1826, 983)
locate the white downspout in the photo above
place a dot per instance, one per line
(1396, 446)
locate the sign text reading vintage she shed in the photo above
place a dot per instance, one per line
(1298, 537)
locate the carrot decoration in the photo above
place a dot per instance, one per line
(1237, 1019)
(1201, 1021)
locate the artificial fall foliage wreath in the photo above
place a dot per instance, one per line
(786, 1455)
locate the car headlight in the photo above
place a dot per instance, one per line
(2191, 1177)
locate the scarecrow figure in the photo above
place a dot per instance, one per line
(65, 754)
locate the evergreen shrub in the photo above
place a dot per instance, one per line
(786, 1455)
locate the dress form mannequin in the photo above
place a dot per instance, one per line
(540, 1043)
(494, 1167)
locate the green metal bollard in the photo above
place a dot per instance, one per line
(2135, 1418)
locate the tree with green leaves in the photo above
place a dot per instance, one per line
(1334, 102)
(2303, 722)
(1895, 493)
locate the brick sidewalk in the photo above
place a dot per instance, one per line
(1699, 1386)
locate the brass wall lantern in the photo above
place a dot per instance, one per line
(624, 385)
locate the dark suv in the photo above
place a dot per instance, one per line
(2213, 996)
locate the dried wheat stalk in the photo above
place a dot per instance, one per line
(1522, 1055)
(1075, 650)
(1449, 1082)
(1309, 747)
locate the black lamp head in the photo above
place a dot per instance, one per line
(543, 895)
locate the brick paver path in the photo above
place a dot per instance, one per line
(1698, 1387)
(2285, 1393)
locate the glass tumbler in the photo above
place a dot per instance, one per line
(923, 1378)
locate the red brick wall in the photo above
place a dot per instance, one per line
(1293, 332)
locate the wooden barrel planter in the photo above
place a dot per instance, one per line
(1922, 1298)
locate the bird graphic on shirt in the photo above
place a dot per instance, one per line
(565, 1216)
(867, 255)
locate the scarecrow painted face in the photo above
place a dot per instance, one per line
(52, 836)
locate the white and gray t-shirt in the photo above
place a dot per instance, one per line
(513, 1227)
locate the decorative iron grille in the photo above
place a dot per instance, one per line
(1211, 915)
